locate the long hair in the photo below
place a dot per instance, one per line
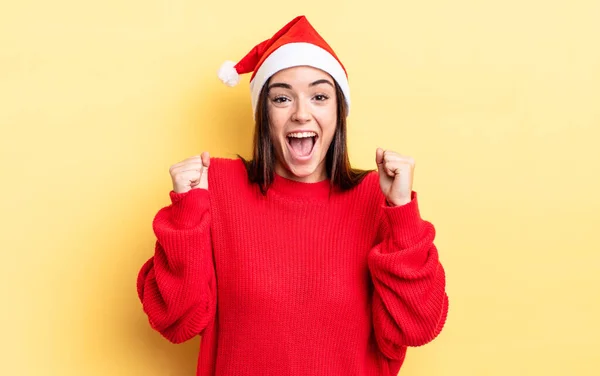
(261, 167)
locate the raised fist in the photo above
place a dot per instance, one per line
(395, 176)
(190, 173)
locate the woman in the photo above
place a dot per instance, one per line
(293, 263)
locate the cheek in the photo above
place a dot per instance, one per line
(328, 122)
(276, 123)
(329, 137)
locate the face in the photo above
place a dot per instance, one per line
(302, 117)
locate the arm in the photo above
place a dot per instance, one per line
(410, 304)
(177, 286)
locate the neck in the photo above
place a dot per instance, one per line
(316, 176)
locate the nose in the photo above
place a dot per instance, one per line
(301, 112)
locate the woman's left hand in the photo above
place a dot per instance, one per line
(395, 176)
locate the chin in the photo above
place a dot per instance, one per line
(303, 171)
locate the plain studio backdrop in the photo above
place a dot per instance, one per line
(497, 101)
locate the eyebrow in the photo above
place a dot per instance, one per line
(281, 85)
(322, 81)
(288, 86)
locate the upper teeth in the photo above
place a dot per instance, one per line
(302, 134)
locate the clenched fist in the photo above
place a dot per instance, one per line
(190, 173)
(395, 176)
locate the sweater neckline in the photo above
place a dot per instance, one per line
(296, 190)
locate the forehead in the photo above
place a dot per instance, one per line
(300, 76)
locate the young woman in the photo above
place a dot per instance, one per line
(294, 263)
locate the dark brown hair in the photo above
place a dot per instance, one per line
(261, 167)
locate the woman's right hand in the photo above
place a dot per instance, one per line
(190, 173)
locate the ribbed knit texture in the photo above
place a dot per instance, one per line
(306, 280)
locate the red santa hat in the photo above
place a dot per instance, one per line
(296, 44)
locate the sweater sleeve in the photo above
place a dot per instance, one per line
(410, 304)
(177, 285)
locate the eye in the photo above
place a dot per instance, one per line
(321, 97)
(280, 99)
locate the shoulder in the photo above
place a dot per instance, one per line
(371, 180)
(227, 170)
(368, 190)
(226, 164)
(369, 184)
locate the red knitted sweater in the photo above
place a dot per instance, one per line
(306, 280)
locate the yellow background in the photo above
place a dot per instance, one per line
(498, 102)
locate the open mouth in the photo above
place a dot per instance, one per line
(302, 143)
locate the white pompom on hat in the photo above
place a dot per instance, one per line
(296, 44)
